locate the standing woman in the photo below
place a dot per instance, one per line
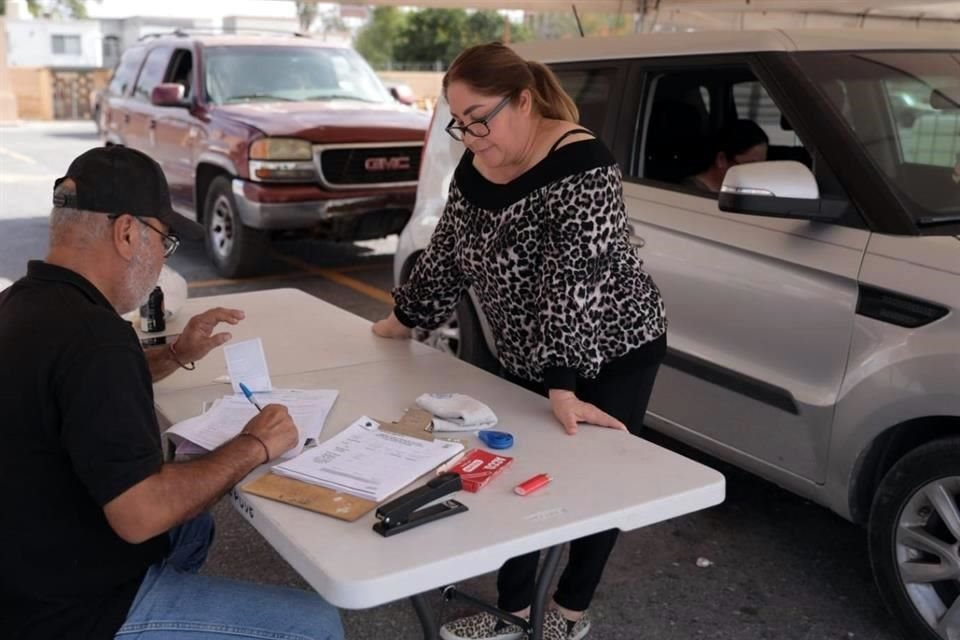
(535, 223)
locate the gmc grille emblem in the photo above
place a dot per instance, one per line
(396, 163)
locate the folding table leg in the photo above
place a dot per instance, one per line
(428, 622)
(544, 580)
(534, 627)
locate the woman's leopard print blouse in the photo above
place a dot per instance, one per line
(549, 259)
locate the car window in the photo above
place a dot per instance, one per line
(886, 99)
(754, 103)
(125, 72)
(697, 122)
(590, 90)
(925, 134)
(152, 73)
(245, 74)
(180, 71)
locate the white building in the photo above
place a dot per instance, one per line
(54, 43)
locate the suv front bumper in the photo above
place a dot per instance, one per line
(278, 207)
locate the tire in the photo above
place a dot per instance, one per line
(915, 544)
(235, 250)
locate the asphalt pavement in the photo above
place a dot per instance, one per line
(764, 565)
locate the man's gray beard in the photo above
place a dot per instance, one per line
(139, 284)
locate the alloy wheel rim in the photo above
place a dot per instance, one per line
(221, 227)
(445, 338)
(928, 554)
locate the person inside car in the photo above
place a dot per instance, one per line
(535, 222)
(101, 537)
(742, 142)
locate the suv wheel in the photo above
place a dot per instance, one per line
(235, 249)
(915, 540)
(461, 336)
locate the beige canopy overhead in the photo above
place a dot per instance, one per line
(739, 14)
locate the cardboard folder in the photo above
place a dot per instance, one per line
(330, 502)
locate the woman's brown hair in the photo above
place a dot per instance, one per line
(496, 70)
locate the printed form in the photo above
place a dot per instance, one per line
(364, 461)
(227, 417)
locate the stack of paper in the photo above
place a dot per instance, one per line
(228, 415)
(366, 462)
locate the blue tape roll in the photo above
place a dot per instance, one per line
(496, 439)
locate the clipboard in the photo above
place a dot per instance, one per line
(414, 423)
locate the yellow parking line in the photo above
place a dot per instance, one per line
(226, 282)
(336, 276)
(364, 267)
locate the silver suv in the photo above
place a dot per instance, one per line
(814, 303)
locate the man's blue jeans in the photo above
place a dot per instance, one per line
(177, 604)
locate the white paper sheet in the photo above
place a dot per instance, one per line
(366, 462)
(247, 363)
(226, 418)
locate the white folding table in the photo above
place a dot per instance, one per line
(299, 333)
(602, 479)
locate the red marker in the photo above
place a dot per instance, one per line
(529, 486)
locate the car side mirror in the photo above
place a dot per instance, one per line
(780, 189)
(168, 94)
(945, 98)
(402, 94)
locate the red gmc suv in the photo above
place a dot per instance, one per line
(267, 135)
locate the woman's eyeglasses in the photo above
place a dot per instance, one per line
(478, 128)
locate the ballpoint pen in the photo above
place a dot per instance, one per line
(249, 395)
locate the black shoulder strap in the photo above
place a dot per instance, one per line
(564, 137)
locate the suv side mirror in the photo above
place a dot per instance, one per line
(168, 94)
(780, 189)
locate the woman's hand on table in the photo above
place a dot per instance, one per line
(569, 410)
(392, 328)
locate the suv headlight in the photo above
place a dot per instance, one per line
(282, 160)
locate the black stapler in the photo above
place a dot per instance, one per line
(404, 513)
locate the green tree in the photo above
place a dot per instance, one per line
(63, 8)
(564, 25)
(378, 40)
(306, 14)
(439, 35)
(432, 35)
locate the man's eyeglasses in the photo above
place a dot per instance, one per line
(478, 128)
(170, 241)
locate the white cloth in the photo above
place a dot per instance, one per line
(457, 412)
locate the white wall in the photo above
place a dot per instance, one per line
(30, 43)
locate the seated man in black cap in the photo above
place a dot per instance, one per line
(101, 538)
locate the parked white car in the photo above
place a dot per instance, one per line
(814, 304)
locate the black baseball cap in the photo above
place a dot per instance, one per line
(115, 180)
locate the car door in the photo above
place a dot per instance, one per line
(140, 117)
(116, 99)
(176, 132)
(760, 309)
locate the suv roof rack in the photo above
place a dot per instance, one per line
(186, 33)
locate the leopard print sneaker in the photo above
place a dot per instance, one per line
(482, 626)
(556, 627)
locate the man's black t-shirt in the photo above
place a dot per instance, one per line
(77, 430)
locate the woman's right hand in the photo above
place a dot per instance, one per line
(390, 327)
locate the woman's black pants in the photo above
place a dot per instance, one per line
(624, 393)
